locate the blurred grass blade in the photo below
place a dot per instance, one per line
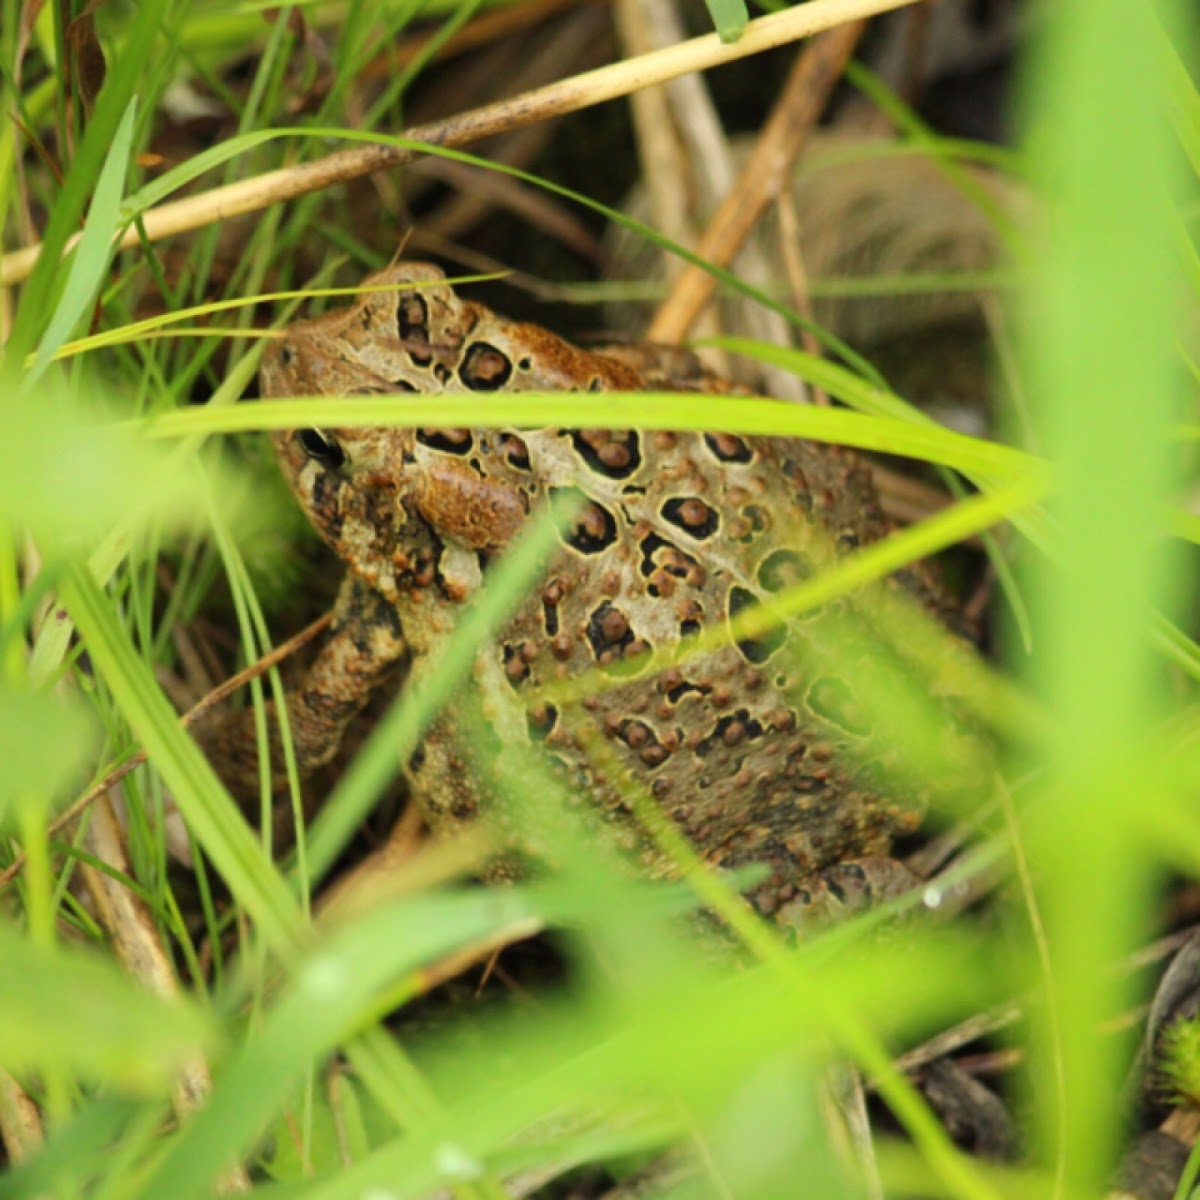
(44, 743)
(71, 478)
(1099, 332)
(126, 76)
(211, 815)
(1183, 101)
(91, 256)
(575, 1063)
(334, 990)
(621, 410)
(729, 17)
(874, 562)
(1176, 646)
(909, 123)
(63, 1009)
(396, 737)
(75, 1152)
(866, 397)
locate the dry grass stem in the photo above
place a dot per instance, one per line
(663, 158)
(942, 1045)
(20, 1121)
(136, 940)
(763, 175)
(569, 95)
(797, 275)
(712, 174)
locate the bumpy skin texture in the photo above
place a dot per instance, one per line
(754, 760)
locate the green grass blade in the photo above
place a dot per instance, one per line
(75, 1153)
(212, 817)
(729, 17)
(1099, 350)
(845, 386)
(137, 331)
(619, 410)
(334, 989)
(91, 256)
(177, 177)
(728, 278)
(1176, 646)
(1183, 100)
(573, 1062)
(70, 479)
(908, 122)
(63, 1009)
(124, 77)
(398, 734)
(44, 742)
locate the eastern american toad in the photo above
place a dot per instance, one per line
(757, 757)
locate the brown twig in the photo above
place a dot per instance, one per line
(974, 1027)
(568, 95)
(765, 173)
(226, 689)
(797, 276)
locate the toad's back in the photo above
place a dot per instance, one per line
(757, 753)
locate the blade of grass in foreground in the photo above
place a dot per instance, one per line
(335, 988)
(727, 278)
(579, 1059)
(617, 410)
(211, 815)
(64, 1009)
(396, 736)
(125, 76)
(1099, 357)
(92, 254)
(729, 17)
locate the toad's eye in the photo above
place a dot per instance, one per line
(325, 449)
(287, 355)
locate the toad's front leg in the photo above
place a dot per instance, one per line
(365, 649)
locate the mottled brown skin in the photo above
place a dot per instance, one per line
(680, 531)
